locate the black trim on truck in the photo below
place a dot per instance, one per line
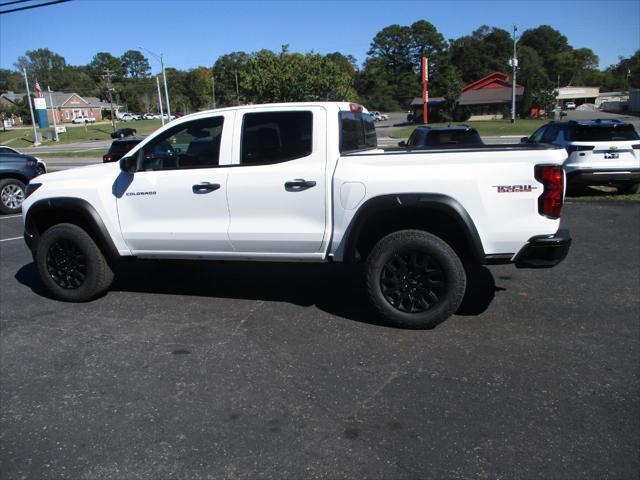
(64, 209)
(428, 201)
(544, 251)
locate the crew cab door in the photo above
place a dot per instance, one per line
(277, 191)
(175, 203)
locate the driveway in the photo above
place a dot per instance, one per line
(210, 370)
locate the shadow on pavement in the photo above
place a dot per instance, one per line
(336, 288)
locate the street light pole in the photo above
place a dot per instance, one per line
(514, 66)
(160, 58)
(160, 100)
(33, 120)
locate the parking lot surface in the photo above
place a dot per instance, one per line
(210, 370)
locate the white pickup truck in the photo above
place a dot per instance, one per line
(302, 182)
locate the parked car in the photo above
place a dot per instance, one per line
(570, 105)
(150, 116)
(119, 148)
(600, 152)
(425, 136)
(41, 167)
(127, 117)
(84, 119)
(124, 132)
(200, 189)
(16, 170)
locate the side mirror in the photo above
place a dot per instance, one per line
(402, 144)
(128, 164)
(525, 140)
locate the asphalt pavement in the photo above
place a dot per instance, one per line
(211, 370)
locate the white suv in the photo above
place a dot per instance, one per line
(600, 152)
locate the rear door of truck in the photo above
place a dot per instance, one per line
(277, 190)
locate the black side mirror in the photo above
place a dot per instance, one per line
(402, 144)
(128, 164)
(525, 140)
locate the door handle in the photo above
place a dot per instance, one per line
(205, 187)
(298, 184)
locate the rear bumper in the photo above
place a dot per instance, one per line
(603, 177)
(544, 251)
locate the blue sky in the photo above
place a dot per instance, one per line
(192, 33)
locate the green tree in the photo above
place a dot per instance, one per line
(448, 84)
(135, 64)
(224, 71)
(44, 66)
(199, 85)
(10, 81)
(103, 61)
(548, 43)
(486, 50)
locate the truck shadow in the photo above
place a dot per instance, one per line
(336, 289)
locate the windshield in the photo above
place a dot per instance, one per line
(602, 133)
(357, 132)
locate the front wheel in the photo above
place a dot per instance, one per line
(11, 195)
(71, 265)
(414, 279)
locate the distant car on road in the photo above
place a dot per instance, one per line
(124, 132)
(119, 148)
(41, 167)
(601, 152)
(425, 136)
(16, 170)
(84, 119)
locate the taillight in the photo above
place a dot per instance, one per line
(550, 202)
(355, 108)
(578, 148)
(107, 158)
(29, 189)
(636, 146)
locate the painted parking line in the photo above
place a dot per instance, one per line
(9, 239)
(9, 216)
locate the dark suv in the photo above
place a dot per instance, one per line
(16, 170)
(600, 152)
(119, 148)
(451, 136)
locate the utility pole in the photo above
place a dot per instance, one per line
(213, 90)
(160, 100)
(33, 120)
(108, 75)
(514, 66)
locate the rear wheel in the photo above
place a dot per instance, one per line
(71, 265)
(414, 279)
(11, 195)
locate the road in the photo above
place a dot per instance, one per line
(199, 370)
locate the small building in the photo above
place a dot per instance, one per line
(10, 99)
(489, 98)
(577, 95)
(67, 106)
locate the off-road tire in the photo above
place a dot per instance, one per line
(438, 277)
(79, 275)
(8, 188)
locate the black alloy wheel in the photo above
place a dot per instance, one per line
(412, 281)
(66, 264)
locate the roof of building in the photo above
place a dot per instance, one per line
(493, 80)
(489, 95)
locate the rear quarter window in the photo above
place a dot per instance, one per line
(357, 132)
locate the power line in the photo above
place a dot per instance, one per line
(54, 2)
(14, 2)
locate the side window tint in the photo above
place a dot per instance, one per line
(274, 137)
(550, 134)
(195, 144)
(537, 135)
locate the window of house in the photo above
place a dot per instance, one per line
(194, 144)
(273, 137)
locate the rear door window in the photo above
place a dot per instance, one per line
(274, 137)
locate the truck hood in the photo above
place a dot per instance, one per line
(89, 173)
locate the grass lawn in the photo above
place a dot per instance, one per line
(23, 137)
(485, 127)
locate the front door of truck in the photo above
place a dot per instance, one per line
(176, 201)
(277, 190)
